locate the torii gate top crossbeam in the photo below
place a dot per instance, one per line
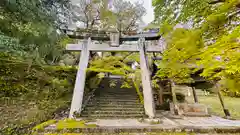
(103, 37)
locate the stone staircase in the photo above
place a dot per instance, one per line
(114, 102)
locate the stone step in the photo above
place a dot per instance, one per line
(113, 108)
(113, 112)
(116, 100)
(104, 116)
(114, 90)
(106, 90)
(116, 105)
(116, 96)
(118, 91)
(113, 103)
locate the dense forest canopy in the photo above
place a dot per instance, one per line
(33, 24)
(211, 41)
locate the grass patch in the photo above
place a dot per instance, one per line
(70, 124)
(213, 102)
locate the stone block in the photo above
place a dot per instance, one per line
(196, 110)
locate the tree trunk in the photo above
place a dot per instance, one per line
(174, 98)
(226, 111)
(160, 92)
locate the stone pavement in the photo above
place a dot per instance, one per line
(213, 121)
(191, 124)
(133, 123)
(211, 125)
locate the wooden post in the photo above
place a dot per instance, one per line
(161, 94)
(174, 97)
(146, 83)
(77, 98)
(194, 94)
(226, 111)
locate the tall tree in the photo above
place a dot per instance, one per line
(102, 14)
(128, 15)
(210, 43)
(34, 24)
(87, 12)
(28, 19)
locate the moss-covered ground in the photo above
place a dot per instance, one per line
(70, 124)
(141, 134)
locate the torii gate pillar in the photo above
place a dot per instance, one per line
(146, 81)
(78, 92)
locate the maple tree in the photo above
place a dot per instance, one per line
(208, 39)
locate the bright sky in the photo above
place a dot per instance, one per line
(148, 5)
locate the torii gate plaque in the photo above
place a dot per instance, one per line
(87, 46)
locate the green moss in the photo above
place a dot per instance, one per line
(164, 133)
(94, 82)
(140, 95)
(45, 124)
(70, 123)
(112, 71)
(64, 134)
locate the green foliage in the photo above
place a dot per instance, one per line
(32, 21)
(211, 41)
(111, 64)
(117, 65)
(182, 48)
(137, 85)
(31, 95)
(94, 82)
(30, 29)
(45, 77)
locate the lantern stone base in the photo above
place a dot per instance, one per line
(191, 110)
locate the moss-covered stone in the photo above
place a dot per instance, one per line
(71, 123)
(43, 125)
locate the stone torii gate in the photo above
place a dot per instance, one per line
(87, 45)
